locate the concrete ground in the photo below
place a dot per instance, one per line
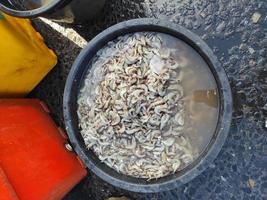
(236, 30)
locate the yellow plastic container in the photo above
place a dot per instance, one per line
(24, 57)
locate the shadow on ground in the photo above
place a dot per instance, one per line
(51, 89)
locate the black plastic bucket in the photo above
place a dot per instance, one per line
(69, 11)
(75, 79)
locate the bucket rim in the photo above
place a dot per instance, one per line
(34, 12)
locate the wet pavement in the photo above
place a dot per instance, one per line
(236, 30)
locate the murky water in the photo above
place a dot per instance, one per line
(201, 95)
(184, 108)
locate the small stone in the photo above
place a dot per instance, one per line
(256, 17)
(68, 147)
(251, 183)
(242, 47)
(203, 14)
(252, 63)
(205, 37)
(251, 50)
(208, 28)
(220, 27)
(223, 179)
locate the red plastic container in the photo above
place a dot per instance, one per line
(34, 163)
(7, 192)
